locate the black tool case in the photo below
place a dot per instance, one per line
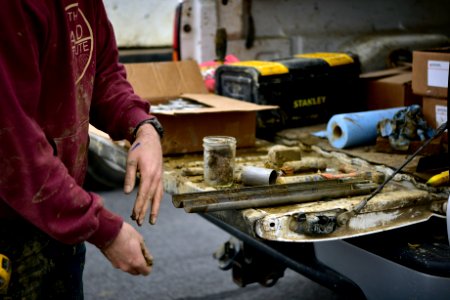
(308, 88)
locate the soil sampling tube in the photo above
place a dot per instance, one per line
(258, 176)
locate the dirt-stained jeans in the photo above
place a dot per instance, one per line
(42, 268)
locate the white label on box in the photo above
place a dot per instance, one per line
(438, 73)
(441, 115)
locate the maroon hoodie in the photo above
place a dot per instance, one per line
(59, 71)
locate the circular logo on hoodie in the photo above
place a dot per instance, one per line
(81, 38)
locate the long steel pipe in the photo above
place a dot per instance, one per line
(238, 194)
(274, 200)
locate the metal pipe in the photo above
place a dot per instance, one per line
(291, 198)
(258, 176)
(237, 194)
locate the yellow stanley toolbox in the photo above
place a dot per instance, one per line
(308, 88)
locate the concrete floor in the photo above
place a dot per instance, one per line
(182, 245)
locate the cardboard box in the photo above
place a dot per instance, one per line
(430, 72)
(434, 111)
(388, 88)
(184, 129)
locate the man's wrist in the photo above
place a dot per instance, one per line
(151, 121)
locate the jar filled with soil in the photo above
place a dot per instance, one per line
(218, 157)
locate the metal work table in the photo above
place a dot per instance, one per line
(402, 203)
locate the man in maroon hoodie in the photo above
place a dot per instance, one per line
(59, 71)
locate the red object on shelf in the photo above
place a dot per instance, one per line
(208, 69)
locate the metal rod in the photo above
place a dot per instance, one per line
(343, 218)
(363, 203)
(232, 194)
(291, 198)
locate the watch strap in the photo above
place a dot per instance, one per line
(152, 121)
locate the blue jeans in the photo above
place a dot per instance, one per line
(42, 268)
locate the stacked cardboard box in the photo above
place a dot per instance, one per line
(430, 80)
(388, 88)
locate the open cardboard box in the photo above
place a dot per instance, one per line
(184, 129)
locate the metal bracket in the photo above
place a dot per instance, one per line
(317, 223)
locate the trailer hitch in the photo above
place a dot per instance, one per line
(227, 253)
(247, 264)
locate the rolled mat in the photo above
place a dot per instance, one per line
(356, 129)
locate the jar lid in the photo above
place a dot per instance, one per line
(219, 139)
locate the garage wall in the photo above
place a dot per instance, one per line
(142, 23)
(282, 28)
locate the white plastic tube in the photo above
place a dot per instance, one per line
(356, 129)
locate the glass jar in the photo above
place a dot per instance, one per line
(218, 158)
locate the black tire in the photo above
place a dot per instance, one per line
(102, 174)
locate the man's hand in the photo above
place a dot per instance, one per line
(129, 253)
(145, 157)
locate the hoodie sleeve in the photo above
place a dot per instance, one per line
(115, 108)
(34, 182)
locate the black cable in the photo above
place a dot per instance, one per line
(344, 217)
(438, 132)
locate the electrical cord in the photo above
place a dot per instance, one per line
(344, 217)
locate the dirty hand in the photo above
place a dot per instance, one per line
(128, 252)
(145, 157)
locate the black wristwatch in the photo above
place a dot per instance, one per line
(152, 121)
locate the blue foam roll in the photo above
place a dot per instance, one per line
(356, 129)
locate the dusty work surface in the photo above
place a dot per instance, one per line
(368, 153)
(404, 201)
